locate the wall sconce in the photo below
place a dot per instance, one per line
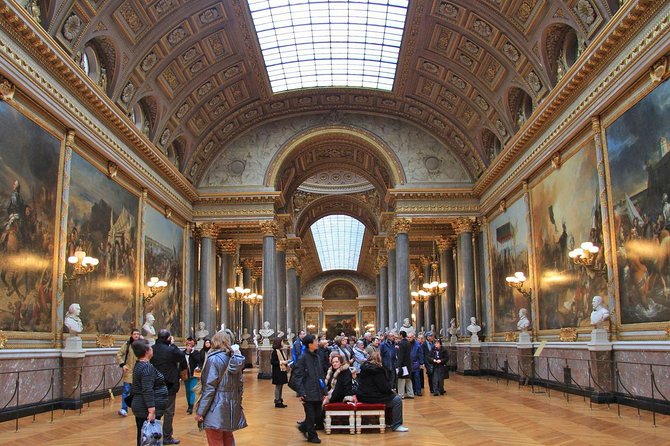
(586, 255)
(516, 281)
(81, 265)
(155, 286)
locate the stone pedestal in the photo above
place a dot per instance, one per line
(249, 356)
(72, 361)
(264, 367)
(468, 359)
(453, 356)
(524, 353)
(602, 367)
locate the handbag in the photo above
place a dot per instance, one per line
(183, 374)
(152, 433)
(293, 382)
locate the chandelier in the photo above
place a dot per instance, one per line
(254, 298)
(434, 285)
(238, 293)
(80, 265)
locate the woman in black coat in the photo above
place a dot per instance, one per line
(438, 359)
(150, 394)
(338, 380)
(279, 362)
(374, 388)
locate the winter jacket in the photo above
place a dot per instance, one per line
(416, 353)
(278, 376)
(404, 358)
(359, 358)
(193, 360)
(222, 386)
(339, 383)
(373, 385)
(148, 390)
(389, 355)
(168, 359)
(126, 356)
(308, 376)
(436, 354)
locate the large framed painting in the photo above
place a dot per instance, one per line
(638, 148)
(163, 258)
(565, 213)
(340, 323)
(29, 157)
(102, 221)
(508, 239)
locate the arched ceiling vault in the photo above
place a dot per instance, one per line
(354, 206)
(200, 63)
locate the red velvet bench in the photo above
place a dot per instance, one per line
(370, 412)
(347, 410)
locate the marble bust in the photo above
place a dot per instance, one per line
(407, 327)
(600, 313)
(266, 332)
(72, 322)
(473, 328)
(245, 338)
(524, 322)
(255, 336)
(453, 330)
(148, 330)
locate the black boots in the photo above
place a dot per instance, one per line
(190, 409)
(280, 404)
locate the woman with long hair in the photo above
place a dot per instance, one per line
(219, 410)
(279, 362)
(338, 380)
(150, 394)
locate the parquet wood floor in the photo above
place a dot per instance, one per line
(475, 411)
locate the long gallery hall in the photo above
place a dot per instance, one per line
(434, 221)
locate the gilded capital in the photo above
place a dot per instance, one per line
(281, 244)
(269, 227)
(248, 263)
(210, 230)
(7, 89)
(292, 263)
(389, 242)
(425, 261)
(464, 224)
(69, 138)
(227, 246)
(444, 243)
(382, 261)
(401, 225)
(298, 271)
(196, 231)
(257, 272)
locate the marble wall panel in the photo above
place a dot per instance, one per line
(35, 377)
(550, 365)
(493, 357)
(100, 372)
(635, 372)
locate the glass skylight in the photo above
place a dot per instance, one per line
(329, 43)
(338, 240)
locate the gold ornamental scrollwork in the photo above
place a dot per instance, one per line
(568, 334)
(280, 244)
(226, 246)
(401, 225)
(257, 272)
(389, 242)
(444, 243)
(511, 336)
(69, 138)
(7, 89)
(249, 263)
(298, 271)
(196, 231)
(112, 169)
(209, 230)
(269, 227)
(464, 225)
(660, 70)
(425, 261)
(3, 339)
(382, 261)
(292, 262)
(104, 340)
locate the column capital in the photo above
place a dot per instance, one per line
(444, 243)
(227, 246)
(196, 231)
(7, 89)
(298, 270)
(248, 263)
(69, 139)
(425, 261)
(269, 227)
(382, 261)
(465, 224)
(281, 244)
(209, 230)
(292, 262)
(389, 242)
(401, 225)
(257, 272)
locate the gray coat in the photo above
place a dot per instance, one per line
(221, 401)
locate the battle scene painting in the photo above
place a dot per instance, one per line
(565, 213)
(638, 146)
(509, 235)
(163, 259)
(102, 221)
(340, 323)
(29, 158)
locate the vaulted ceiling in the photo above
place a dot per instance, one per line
(195, 71)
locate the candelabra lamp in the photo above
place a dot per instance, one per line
(79, 265)
(516, 282)
(154, 286)
(587, 256)
(238, 293)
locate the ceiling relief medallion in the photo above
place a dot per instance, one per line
(481, 103)
(204, 89)
(190, 54)
(448, 10)
(165, 137)
(130, 18)
(483, 29)
(72, 27)
(127, 93)
(176, 36)
(209, 15)
(170, 79)
(586, 13)
(231, 72)
(470, 47)
(219, 46)
(534, 82)
(511, 52)
(458, 82)
(162, 7)
(149, 62)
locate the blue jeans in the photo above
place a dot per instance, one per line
(190, 384)
(124, 394)
(417, 381)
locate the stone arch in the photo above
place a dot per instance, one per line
(520, 105)
(106, 52)
(340, 289)
(491, 144)
(560, 47)
(176, 150)
(353, 206)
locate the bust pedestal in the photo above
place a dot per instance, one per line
(249, 356)
(452, 350)
(264, 366)
(602, 375)
(73, 359)
(468, 356)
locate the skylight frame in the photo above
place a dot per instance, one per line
(301, 51)
(338, 240)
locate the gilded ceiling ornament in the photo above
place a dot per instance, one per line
(176, 36)
(525, 9)
(464, 225)
(251, 114)
(585, 12)
(218, 111)
(511, 52)
(170, 78)
(209, 230)
(482, 28)
(232, 72)
(226, 246)
(446, 105)
(500, 127)
(471, 47)
(401, 225)
(465, 60)
(130, 16)
(659, 70)
(556, 160)
(448, 9)
(443, 40)
(194, 169)
(33, 9)
(204, 89)
(165, 6)
(72, 27)
(104, 340)
(481, 103)
(269, 227)
(458, 82)
(534, 81)
(492, 70)
(439, 123)
(228, 127)
(209, 16)
(165, 137)
(112, 169)
(459, 142)
(128, 92)
(149, 62)
(432, 164)
(277, 105)
(167, 211)
(430, 67)
(568, 334)
(199, 65)
(415, 110)
(190, 54)
(216, 43)
(208, 147)
(389, 102)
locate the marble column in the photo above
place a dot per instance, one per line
(281, 284)
(292, 309)
(422, 308)
(247, 310)
(466, 273)
(403, 301)
(255, 310)
(191, 282)
(383, 310)
(299, 313)
(445, 248)
(391, 287)
(207, 309)
(58, 310)
(269, 230)
(226, 248)
(378, 303)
